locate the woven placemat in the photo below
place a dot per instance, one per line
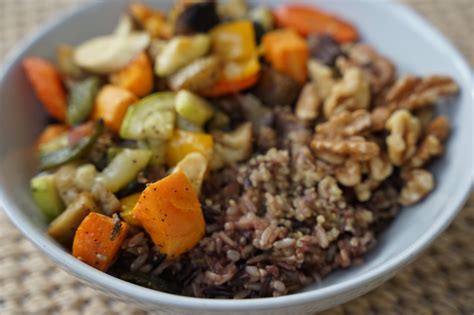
(441, 281)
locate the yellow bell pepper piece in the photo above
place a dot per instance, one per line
(234, 41)
(184, 142)
(237, 70)
(128, 203)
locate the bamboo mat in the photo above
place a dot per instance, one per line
(441, 281)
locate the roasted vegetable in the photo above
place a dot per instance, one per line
(275, 88)
(98, 240)
(287, 52)
(234, 41)
(184, 142)
(48, 86)
(126, 211)
(149, 281)
(181, 51)
(198, 17)
(324, 48)
(46, 196)
(232, 147)
(170, 212)
(66, 64)
(263, 16)
(193, 108)
(81, 100)
(107, 54)
(137, 76)
(76, 148)
(232, 9)
(85, 177)
(224, 87)
(196, 76)
(194, 166)
(153, 21)
(123, 168)
(111, 105)
(153, 117)
(62, 229)
(307, 19)
(50, 133)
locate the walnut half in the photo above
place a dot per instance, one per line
(418, 183)
(404, 133)
(355, 147)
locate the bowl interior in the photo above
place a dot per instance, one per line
(411, 45)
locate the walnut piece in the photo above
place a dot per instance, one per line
(231, 147)
(430, 147)
(323, 78)
(380, 167)
(350, 93)
(418, 183)
(425, 116)
(307, 107)
(349, 174)
(379, 71)
(439, 127)
(412, 93)
(346, 124)
(404, 133)
(364, 190)
(355, 147)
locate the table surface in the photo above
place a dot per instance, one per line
(441, 281)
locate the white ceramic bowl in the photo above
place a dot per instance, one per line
(396, 31)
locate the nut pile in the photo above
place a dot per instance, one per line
(370, 125)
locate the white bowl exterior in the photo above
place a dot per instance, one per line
(394, 30)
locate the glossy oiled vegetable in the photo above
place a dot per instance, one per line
(197, 17)
(234, 41)
(48, 86)
(76, 148)
(194, 166)
(287, 52)
(98, 239)
(137, 77)
(193, 107)
(46, 196)
(224, 87)
(111, 105)
(196, 76)
(62, 229)
(170, 212)
(180, 51)
(124, 168)
(50, 133)
(110, 53)
(307, 19)
(184, 142)
(126, 210)
(153, 117)
(81, 100)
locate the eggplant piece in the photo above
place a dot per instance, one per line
(324, 48)
(197, 17)
(275, 88)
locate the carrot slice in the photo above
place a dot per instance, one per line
(51, 132)
(224, 87)
(307, 19)
(111, 105)
(47, 84)
(137, 77)
(98, 240)
(170, 212)
(287, 52)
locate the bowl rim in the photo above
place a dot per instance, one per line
(138, 293)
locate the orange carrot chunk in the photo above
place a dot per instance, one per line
(47, 84)
(137, 77)
(98, 240)
(307, 19)
(50, 132)
(287, 52)
(111, 105)
(170, 212)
